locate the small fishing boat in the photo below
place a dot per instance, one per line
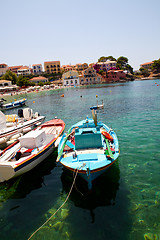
(14, 104)
(89, 148)
(13, 125)
(30, 149)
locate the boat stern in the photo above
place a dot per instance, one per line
(6, 172)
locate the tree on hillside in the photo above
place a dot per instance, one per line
(122, 62)
(156, 66)
(9, 75)
(129, 68)
(104, 59)
(23, 81)
(144, 72)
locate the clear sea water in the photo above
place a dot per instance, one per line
(125, 201)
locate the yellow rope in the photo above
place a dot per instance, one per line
(58, 208)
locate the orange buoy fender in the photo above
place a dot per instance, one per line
(107, 135)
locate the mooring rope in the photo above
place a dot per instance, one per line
(76, 172)
(76, 185)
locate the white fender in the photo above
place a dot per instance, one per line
(3, 140)
(26, 130)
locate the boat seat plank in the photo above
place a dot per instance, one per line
(51, 130)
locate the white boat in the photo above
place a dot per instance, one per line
(14, 104)
(30, 149)
(11, 125)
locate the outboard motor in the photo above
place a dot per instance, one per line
(20, 113)
(27, 113)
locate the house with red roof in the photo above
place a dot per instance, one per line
(146, 65)
(115, 76)
(37, 68)
(24, 70)
(14, 68)
(89, 76)
(39, 79)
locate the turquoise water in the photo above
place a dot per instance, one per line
(125, 201)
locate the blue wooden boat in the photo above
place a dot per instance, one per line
(89, 147)
(14, 104)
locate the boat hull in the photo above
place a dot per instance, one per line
(12, 168)
(88, 175)
(92, 153)
(7, 171)
(14, 104)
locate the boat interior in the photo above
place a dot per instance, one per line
(32, 143)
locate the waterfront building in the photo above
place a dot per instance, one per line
(39, 79)
(67, 68)
(91, 64)
(14, 69)
(5, 83)
(6, 86)
(147, 65)
(70, 78)
(89, 76)
(105, 66)
(37, 68)
(3, 68)
(24, 71)
(52, 67)
(80, 67)
(115, 76)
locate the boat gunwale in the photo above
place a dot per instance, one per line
(46, 148)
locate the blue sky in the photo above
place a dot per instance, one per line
(77, 31)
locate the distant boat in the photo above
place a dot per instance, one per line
(98, 106)
(89, 147)
(30, 149)
(13, 125)
(14, 104)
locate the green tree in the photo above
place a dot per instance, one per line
(104, 59)
(111, 58)
(156, 66)
(23, 81)
(129, 68)
(144, 72)
(122, 62)
(41, 84)
(9, 75)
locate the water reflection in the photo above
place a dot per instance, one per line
(103, 193)
(21, 186)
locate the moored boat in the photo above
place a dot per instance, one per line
(30, 149)
(89, 148)
(14, 104)
(11, 125)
